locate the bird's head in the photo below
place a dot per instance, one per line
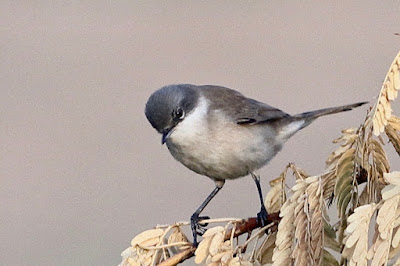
(168, 106)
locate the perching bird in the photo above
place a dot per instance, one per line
(218, 132)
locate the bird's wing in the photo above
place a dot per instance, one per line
(241, 109)
(260, 113)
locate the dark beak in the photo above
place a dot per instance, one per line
(165, 135)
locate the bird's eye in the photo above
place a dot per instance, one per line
(178, 114)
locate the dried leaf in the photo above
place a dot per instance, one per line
(382, 109)
(394, 121)
(392, 178)
(347, 141)
(329, 259)
(285, 235)
(213, 230)
(146, 235)
(150, 242)
(396, 238)
(396, 79)
(216, 243)
(276, 195)
(218, 257)
(344, 187)
(394, 138)
(265, 252)
(175, 237)
(356, 241)
(201, 252)
(330, 238)
(302, 224)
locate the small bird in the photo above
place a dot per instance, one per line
(219, 133)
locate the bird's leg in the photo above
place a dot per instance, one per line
(198, 229)
(263, 214)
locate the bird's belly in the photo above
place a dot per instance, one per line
(225, 153)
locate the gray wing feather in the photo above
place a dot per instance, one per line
(242, 109)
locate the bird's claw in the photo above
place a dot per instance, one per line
(196, 226)
(197, 229)
(262, 217)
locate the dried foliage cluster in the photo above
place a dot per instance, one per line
(357, 179)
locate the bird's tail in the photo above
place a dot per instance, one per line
(309, 117)
(288, 126)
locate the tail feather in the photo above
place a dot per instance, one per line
(309, 117)
(331, 110)
(288, 126)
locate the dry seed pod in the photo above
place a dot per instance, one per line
(356, 241)
(286, 229)
(396, 238)
(382, 110)
(394, 121)
(175, 237)
(216, 243)
(201, 252)
(146, 235)
(219, 256)
(265, 252)
(133, 262)
(213, 230)
(385, 244)
(276, 195)
(392, 178)
(150, 242)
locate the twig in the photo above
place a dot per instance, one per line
(180, 257)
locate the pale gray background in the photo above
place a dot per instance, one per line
(82, 171)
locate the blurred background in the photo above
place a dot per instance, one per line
(82, 171)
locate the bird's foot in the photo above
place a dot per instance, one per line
(262, 216)
(197, 229)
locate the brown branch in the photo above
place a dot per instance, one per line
(247, 226)
(180, 257)
(250, 224)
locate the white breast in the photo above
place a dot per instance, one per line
(211, 144)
